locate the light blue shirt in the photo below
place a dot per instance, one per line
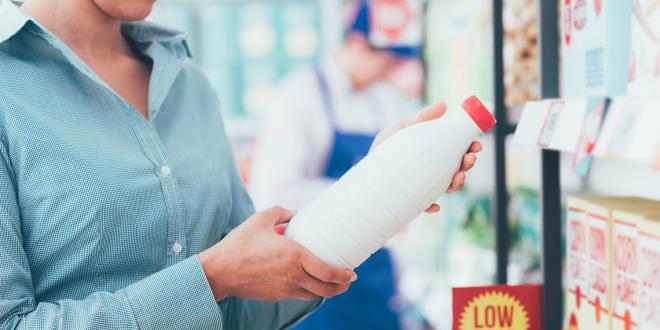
(102, 212)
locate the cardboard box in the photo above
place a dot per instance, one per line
(595, 47)
(607, 294)
(633, 237)
(649, 272)
(587, 301)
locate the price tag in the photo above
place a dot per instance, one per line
(550, 123)
(596, 111)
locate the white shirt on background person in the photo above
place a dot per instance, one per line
(296, 138)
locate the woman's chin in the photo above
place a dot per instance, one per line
(137, 13)
(126, 10)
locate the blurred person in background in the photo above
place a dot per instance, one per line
(321, 122)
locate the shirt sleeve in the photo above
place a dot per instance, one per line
(177, 297)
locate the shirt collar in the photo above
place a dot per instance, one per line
(167, 49)
(143, 32)
(13, 20)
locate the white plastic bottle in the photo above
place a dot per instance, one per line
(389, 188)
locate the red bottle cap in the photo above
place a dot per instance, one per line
(478, 112)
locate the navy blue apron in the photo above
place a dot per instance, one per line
(367, 304)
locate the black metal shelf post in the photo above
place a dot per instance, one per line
(550, 168)
(550, 183)
(502, 129)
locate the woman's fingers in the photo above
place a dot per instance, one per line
(323, 271)
(468, 161)
(303, 294)
(433, 208)
(323, 279)
(320, 288)
(476, 146)
(457, 182)
(280, 229)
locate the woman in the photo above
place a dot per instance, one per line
(118, 190)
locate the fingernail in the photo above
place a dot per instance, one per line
(354, 278)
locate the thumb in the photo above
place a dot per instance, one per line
(433, 111)
(275, 215)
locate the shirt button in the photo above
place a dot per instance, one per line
(165, 170)
(176, 248)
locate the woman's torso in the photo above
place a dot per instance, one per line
(105, 196)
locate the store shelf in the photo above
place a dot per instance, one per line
(628, 131)
(620, 132)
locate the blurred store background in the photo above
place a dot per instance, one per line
(247, 47)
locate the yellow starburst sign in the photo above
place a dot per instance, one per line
(497, 308)
(494, 310)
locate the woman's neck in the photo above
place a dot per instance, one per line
(94, 33)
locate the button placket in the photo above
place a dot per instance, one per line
(176, 248)
(146, 135)
(173, 201)
(165, 171)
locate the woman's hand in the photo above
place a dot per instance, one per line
(254, 262)
(429, 113)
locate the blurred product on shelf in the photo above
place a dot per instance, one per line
(497, 307)
(595, 47)
(644, 75)
(521, 58)
(525, 256)
(630, 130)
(458, 50)
(619, 127)
(612, 263)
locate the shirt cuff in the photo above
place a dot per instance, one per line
(177, 297)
